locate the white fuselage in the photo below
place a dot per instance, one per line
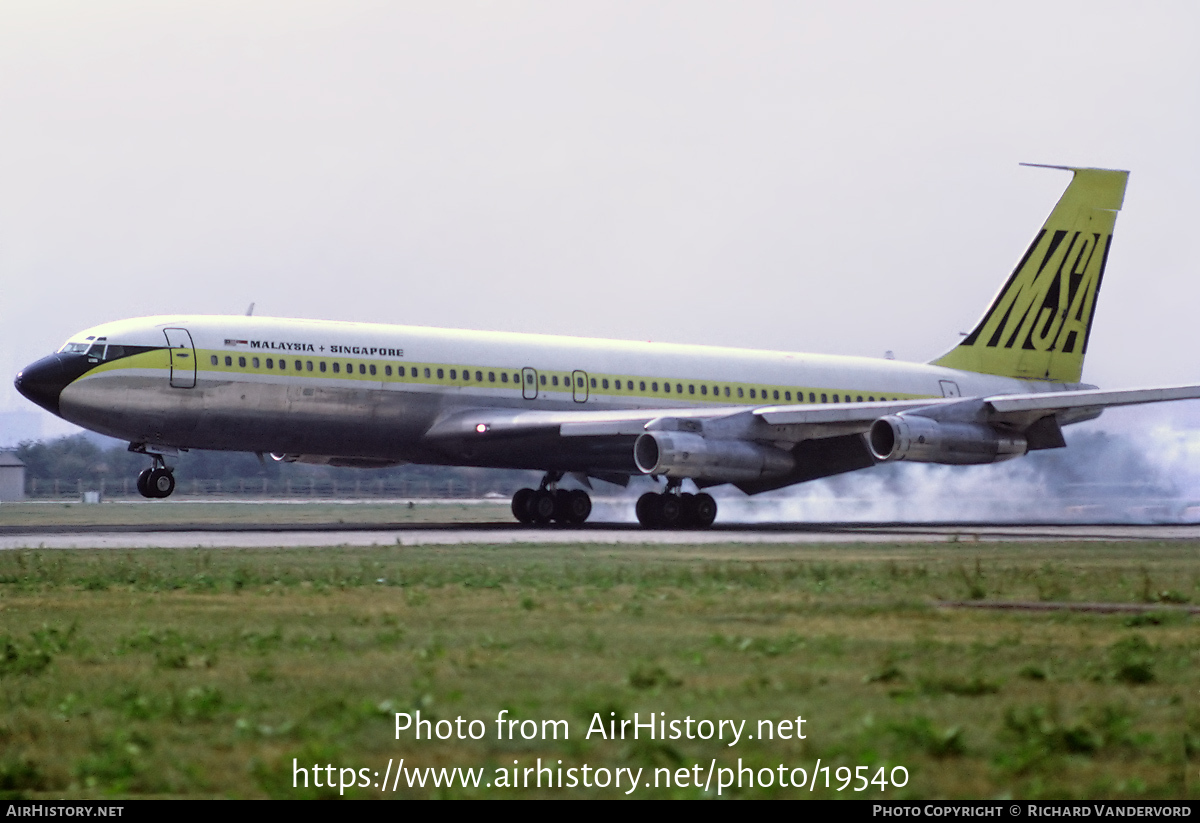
(356, 390)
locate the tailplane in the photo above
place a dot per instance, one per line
(1038, 325)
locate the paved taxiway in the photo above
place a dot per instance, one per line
(505, 534)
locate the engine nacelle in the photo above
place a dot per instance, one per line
(921, 440)
(681, 454)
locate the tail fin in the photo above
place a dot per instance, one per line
(1037, 327)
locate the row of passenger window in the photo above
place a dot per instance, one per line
(738, 392)
(335, 366)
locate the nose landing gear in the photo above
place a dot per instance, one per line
(158, 481)
(550, 504)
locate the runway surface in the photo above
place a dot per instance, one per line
(183, 536)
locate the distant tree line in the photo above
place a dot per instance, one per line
(80, 462)
(1096, 464)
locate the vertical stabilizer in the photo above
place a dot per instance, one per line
(1038, 325)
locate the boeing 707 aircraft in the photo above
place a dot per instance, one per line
(357, 394)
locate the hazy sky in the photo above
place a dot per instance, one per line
(830, 177)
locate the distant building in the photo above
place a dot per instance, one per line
(12, 477)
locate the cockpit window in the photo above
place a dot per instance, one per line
(75, 348)
(97, 350)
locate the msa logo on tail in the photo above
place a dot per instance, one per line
(1037, 327)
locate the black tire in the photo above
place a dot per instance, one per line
(541, 507)
(704, 510)
(160, 483)
(520, 506)
(647, 509)
(143, 483)
(687, 515)
(562, 498)
(578, 507)
(670, 512)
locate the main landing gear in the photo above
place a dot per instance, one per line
(157, 481)
(674, 509)
(550, 504)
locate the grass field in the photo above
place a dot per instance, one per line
(42, 514)
(205, 672)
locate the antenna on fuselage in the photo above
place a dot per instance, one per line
(250, 311)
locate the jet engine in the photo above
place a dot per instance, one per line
(922, 440)
(682, 454)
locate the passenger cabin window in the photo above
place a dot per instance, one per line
(666, 388)
(593, 382)
(812, 397)
(427, 373)
(775, 394)
(337, 367)
(322, 364)
(491, 377)
(372, 368)
(739, 392)
(553, 380)
(654, 386)
(387, 370)
(503, 377)
(213, 359)
(349, 368)
(604, 383)
(752, 395)
(641, 385)
(543, 378)
(823, 399)
(704, 390)
(228, 360)
(270, 362)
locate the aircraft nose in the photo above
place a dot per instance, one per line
(43, 381)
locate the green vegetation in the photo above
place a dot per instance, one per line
(19, 517)
(67, 466)
(206, 672)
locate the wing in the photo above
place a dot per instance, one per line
(766, 447)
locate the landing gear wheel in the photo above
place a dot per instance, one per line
(704, 510)
(520, 506)
(648, 510)
(687, 516)
(160, 483)
(143, 483)
(573, 507)
(541, 507)
(670, 511)
(561, 501)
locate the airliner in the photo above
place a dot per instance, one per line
(368, 395)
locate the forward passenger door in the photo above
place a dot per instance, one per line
(183, 358)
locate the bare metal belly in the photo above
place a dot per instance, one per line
(318, 420)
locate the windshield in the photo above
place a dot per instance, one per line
(71, 348)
